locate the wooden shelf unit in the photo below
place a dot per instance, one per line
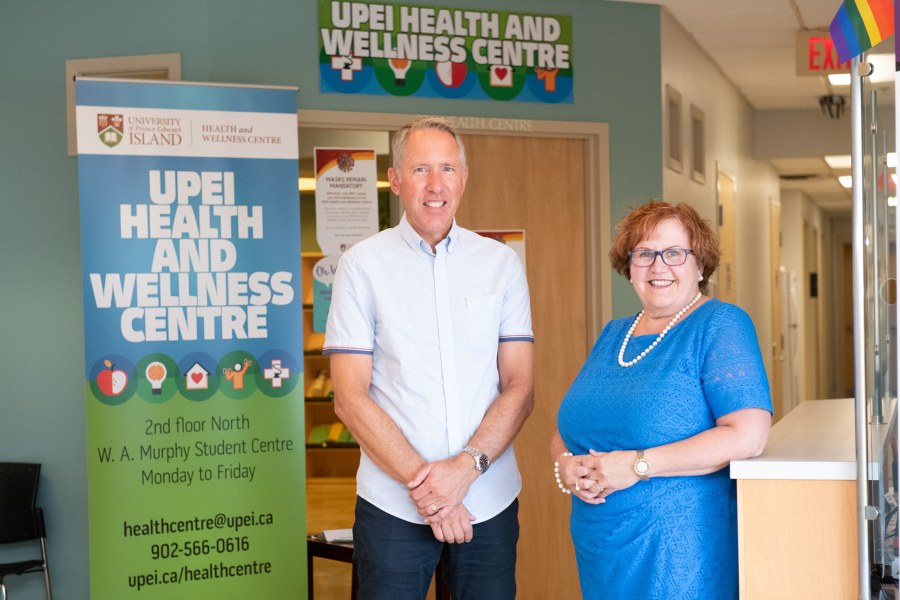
(331, 460)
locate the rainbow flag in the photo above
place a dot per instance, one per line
(860, 25)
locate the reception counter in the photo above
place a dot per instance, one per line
(797, 504)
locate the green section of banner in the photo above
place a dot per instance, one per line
(200, 499)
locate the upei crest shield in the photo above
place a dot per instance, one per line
(111, 129)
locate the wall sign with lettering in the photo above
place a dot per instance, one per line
(816, 54)
(400, 49)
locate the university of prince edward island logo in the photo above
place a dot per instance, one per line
(111, 129)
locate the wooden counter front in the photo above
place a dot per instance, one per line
(797, 508)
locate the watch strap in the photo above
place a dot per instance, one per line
(482, 462)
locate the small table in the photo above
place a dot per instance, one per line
(343, 552)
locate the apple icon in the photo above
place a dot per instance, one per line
(111, 381)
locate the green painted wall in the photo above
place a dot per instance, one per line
(617, 70)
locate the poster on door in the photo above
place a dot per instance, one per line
(346, 197)
(190, 232)
(346, 213)
(514, 238)
(400, 49)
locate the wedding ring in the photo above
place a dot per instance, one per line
(433, 509)
(600, 489)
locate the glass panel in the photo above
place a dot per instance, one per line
(879, 216)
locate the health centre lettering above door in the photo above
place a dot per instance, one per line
(398, 49)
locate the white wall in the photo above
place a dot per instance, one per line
(729, 148)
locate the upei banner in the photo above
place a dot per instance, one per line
(190, 232)
(400, 49)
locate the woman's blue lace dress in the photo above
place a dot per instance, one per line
(666, 538)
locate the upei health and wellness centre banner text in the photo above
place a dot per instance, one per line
(403, 49)
(190, 232)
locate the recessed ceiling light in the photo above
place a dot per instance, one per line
(840, 161)
(846, 181)
(883, 68)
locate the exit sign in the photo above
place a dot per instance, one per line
(816, 54)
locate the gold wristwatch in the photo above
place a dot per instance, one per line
(641, 466)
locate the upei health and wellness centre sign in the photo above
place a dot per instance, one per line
(190, 232)
(400, 49)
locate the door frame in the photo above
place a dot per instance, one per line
(778, 280)
(720, 290)
(598, 227)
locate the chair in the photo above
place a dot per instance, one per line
(21, 520)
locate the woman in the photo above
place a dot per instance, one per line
(665, 400)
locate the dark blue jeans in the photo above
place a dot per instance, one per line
(395, 559)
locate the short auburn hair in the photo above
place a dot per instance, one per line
(643, 220)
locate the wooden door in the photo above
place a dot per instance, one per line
(539, 185)
(727, 277)
(777, 383)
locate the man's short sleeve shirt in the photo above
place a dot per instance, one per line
(432, 322)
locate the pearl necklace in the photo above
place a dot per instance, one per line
(659, 338)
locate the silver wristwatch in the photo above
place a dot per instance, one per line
(482, 462)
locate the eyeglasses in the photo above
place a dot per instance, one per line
(671, 256)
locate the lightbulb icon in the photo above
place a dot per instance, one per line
(156, 373)
(399, 66)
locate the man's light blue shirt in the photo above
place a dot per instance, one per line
(432, 322)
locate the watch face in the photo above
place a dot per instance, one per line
(482, 462)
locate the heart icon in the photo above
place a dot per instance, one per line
(196, 377)
(501, 72)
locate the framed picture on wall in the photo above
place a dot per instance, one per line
(698, 145)
(672, 130)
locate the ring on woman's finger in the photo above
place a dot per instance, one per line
(600, 489)
(433, 509)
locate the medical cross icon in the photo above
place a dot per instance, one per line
(347, 65)
(276, 373)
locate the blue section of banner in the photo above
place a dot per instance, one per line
(185, 96)
(109, 183)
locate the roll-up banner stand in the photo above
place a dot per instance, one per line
(190, 231)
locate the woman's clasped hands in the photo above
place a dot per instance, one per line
(594, 476)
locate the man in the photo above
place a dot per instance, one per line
(430, 340)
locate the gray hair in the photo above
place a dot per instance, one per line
(398, 144)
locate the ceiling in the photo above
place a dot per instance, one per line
(753, 42)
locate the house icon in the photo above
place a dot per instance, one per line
(196, 378)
